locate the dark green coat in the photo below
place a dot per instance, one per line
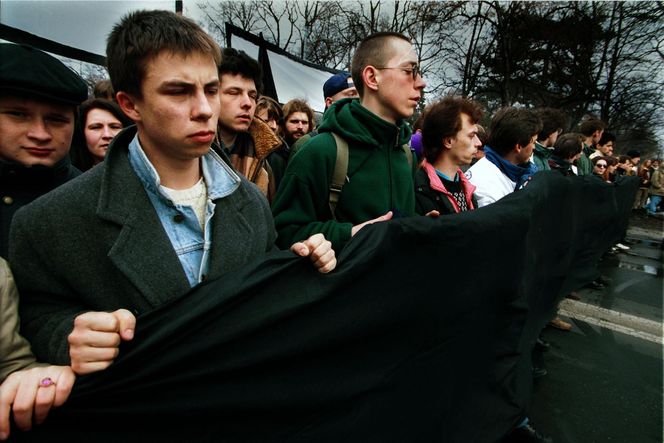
(97, 244)
(583, 164)
(380, 177)
(541, 157)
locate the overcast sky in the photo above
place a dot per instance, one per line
(83, 24)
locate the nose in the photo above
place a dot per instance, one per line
(201, 107)
(419, 82)
(477, 142)
(247, 101)
(38, 131)
(108, 133)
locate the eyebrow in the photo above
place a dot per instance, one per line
(184, 84)
(239, 88)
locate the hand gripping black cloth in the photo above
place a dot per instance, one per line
(423, 333)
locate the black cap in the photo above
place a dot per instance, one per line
(633, 153)
(26, 70)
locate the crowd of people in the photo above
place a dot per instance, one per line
(178, 170)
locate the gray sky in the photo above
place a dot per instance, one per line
(83, 24)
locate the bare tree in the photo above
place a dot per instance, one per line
(580, 56)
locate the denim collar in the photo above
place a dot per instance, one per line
(220, 178)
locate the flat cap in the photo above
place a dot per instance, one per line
(28, 71)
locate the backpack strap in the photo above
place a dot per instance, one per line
(339, 174)
(409, 154)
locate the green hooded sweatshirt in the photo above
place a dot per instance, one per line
(379, 177)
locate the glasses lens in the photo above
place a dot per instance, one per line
(601, 166)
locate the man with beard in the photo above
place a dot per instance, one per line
(298, 121)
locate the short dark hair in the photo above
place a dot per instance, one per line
(553, 120)
(142, 35)
(591, 124)
(373, 50)
(568, 145)
(606, 137)
(237, 62)
(511, 126)
(442, 119)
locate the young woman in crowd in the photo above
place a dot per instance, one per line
(100, 120)
(600, 167)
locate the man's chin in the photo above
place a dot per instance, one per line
(41, 162)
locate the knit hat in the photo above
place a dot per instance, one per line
(29, 71)
(337, 83)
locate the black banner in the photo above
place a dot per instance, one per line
(423, 333)
(23, 37)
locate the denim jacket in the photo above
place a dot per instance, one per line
(191, 245)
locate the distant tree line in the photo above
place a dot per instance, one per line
(600, 58)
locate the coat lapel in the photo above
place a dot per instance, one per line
(142, 251)
(229, 227)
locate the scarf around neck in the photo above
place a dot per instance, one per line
(517, 173)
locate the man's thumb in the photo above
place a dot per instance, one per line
(127, 322)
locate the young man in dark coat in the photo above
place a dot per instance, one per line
(449, 138)
(163, 213)
(38, 99)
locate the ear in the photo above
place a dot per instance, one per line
(328, 102)
(128, 105)
(447, 143)
(370, 77)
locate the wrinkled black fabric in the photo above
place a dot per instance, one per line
(423, 332)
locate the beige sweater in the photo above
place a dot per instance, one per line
(15, 350)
